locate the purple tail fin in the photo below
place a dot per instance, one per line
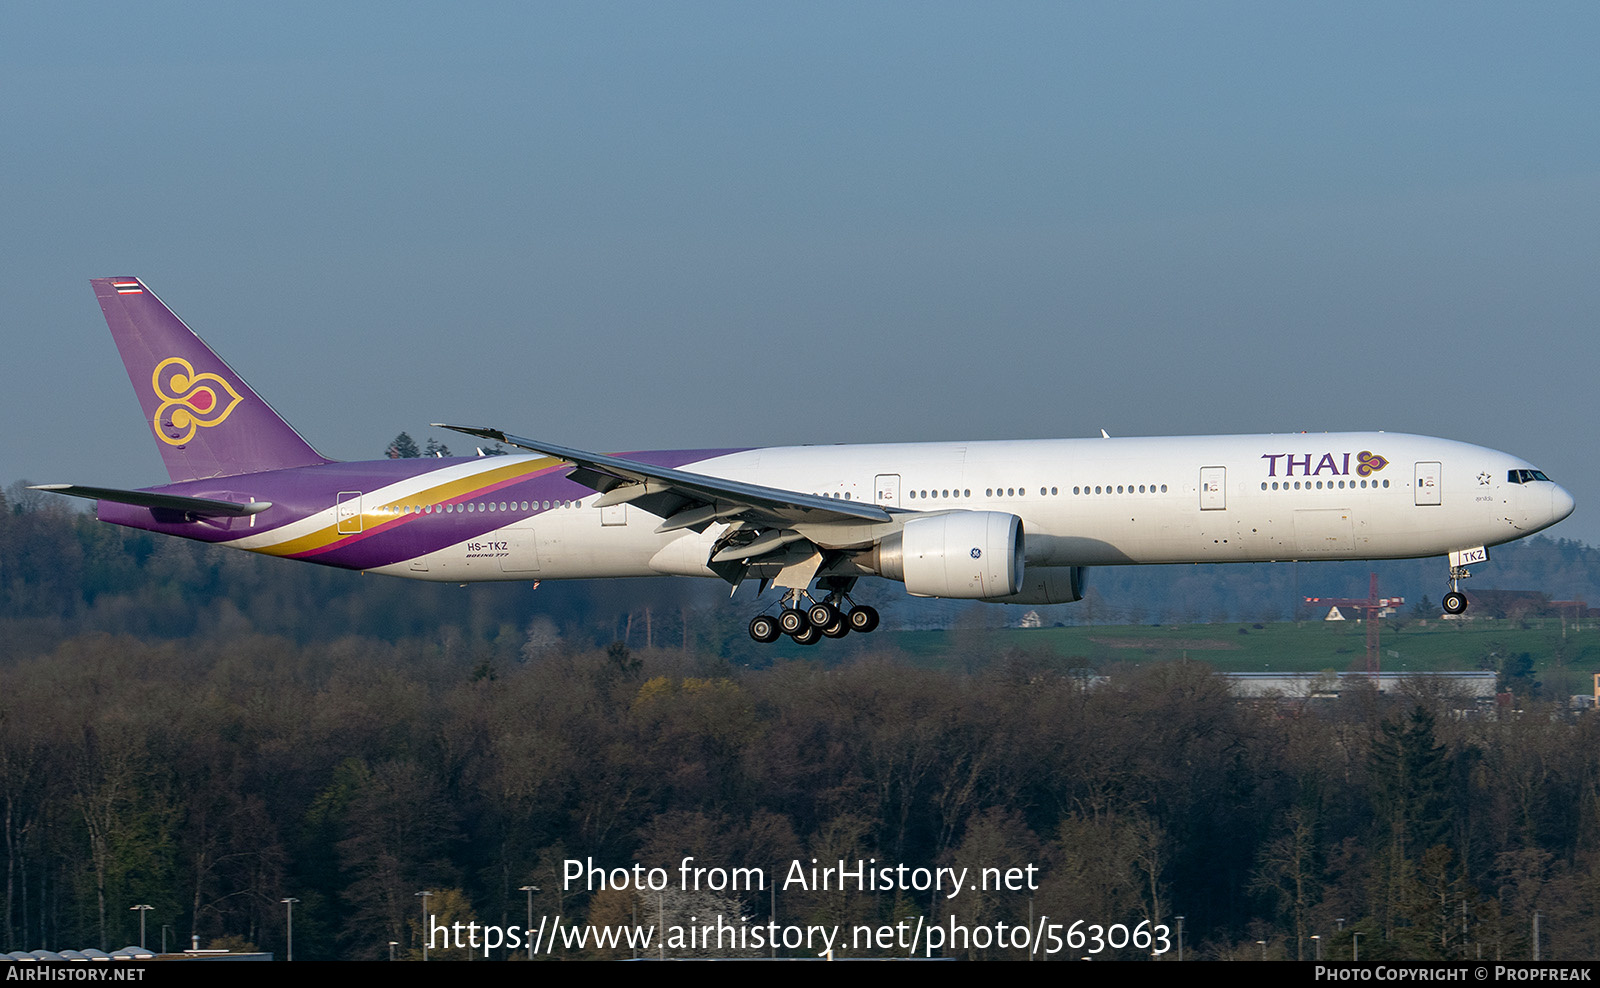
(206, 420)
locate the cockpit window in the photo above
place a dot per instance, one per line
(1525, 476)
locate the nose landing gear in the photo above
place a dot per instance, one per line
(1455, 602)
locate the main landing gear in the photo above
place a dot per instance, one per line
(809, 624)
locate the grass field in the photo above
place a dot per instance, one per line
(1565, 660)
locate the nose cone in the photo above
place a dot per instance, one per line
(1560, 503)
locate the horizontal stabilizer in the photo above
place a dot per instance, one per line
(203, 506)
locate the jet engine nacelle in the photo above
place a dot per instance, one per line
(967, 554)
(1047, 585)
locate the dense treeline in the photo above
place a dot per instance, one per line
(211, 777)
(210, 732)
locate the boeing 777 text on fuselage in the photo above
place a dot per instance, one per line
(1008, 522)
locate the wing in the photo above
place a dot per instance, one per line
(201, 506)
(762, 520)
(700, 499)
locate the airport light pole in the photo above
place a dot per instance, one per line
(290, 903)
(423, 895)
(1355, 947)
(141, 909)
(530, 889)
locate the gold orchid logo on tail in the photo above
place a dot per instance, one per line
(189, 401)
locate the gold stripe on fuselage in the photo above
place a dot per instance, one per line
(439, 494)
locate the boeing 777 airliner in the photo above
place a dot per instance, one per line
(1007, 522)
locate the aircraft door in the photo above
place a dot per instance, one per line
(887, 486)
(1213, 488)
(1428, 487)
(348, 513)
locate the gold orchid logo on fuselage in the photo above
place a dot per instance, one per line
(189, 401)
(1369, 463)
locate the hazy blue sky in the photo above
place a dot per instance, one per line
(623, 226)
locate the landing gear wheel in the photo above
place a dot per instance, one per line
(823, 615)
(809, 635)
(764, 629)
(792, 621)
(838, 629)
(863, 618)
(1455, 602)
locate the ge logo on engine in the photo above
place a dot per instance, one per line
(977, 553)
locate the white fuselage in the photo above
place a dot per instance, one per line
(1082, 502)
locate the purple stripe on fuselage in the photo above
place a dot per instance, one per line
(517, 485)
(300, 492)
(437, 531)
